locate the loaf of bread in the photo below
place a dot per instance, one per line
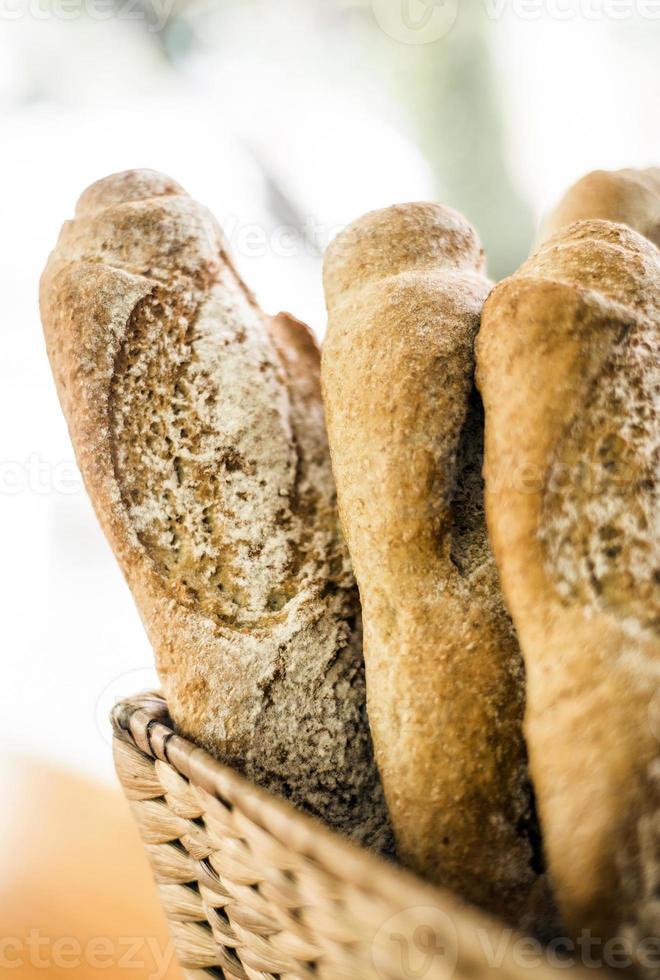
(404, 289)
(629, 197)
(569, 370)
(199, 430)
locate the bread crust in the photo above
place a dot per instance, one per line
(404, 289)
(568, 368)
(629, 197)
(198, 426)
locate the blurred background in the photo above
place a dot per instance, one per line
(289, 118)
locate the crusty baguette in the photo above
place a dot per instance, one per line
(629, 197)
(198, 426)
(404, 289)
(569, 370)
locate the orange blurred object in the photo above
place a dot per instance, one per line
(77, 898)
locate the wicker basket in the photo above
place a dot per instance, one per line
(254, 889)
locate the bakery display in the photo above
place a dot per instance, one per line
(510, 602)
(404, 289)
(198, 426)
(569, 371)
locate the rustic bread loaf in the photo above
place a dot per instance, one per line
(404, 290)
(629, 197)
(569, 370)
(198, 426)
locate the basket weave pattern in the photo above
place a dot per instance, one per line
(254, 890)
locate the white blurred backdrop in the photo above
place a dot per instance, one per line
(288, 118)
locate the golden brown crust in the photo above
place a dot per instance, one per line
(404, 288)
(629, 197)
(199, 430)
(568, 367)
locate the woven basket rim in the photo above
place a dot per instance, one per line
(144, 721)
(307, 850)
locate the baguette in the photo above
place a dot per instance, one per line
(569, 371)
(404, 289)
(629, 197)
(198, 426)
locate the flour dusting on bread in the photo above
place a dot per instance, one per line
(569, 369)
(199, 429)
(601, 517)
(404, 288)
